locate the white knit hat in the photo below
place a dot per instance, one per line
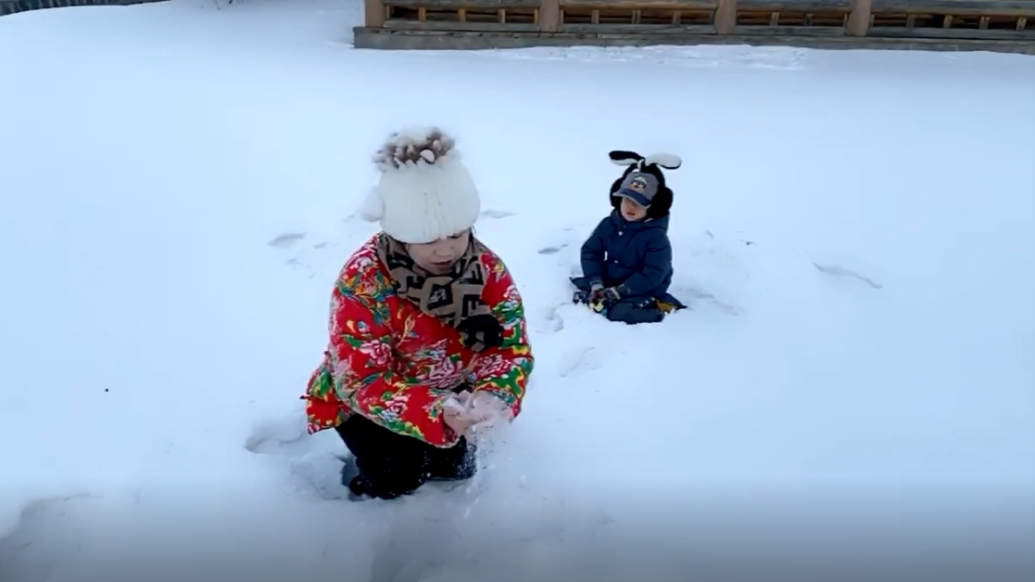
(425, 192)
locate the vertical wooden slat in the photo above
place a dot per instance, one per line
(859, 19)
(549, 15)
(725, 16)
(374, 13)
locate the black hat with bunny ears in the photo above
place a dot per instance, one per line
(661, 202)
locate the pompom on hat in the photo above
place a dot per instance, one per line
(425, 192)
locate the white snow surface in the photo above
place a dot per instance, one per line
(854, 232)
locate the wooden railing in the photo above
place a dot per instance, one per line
(940, 24)
(15, 6)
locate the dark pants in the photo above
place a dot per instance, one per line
(632, 313)
(626, 311)
(392, 464)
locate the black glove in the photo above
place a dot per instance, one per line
(481, 332)
(464, 386)
(610, 296)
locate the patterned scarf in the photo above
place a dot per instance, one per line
(453, 297)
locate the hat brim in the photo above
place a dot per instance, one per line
(634, 196)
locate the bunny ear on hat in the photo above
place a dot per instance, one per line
(631, 158)
(625, 158)
(667, 161)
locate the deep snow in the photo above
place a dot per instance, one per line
(855, 232)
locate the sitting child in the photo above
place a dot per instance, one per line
(627, 261)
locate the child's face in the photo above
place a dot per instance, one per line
(438, 257)
(632, 211)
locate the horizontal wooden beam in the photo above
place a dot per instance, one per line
(488, 27)
(640, 4)
(954, 33)
(447, 4)
(660, 29)
(8, 7)
(795, 5)
(778, 31)
(380, 38)
(956, 7)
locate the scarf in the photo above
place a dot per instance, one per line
(454, 298)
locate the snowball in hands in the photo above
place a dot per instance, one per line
(466, 413)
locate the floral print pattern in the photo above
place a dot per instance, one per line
(396, 365)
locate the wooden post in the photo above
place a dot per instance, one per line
(859, 18)
(374, 13)
(725, 16)
(549, 15)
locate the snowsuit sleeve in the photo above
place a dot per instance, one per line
(657, 263)
(593, 254)
(357, 369)
(504, 370)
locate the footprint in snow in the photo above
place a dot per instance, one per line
(554, 320)
(286, 240)
(299, 265)
(312, 464)
(319, 475)
(580, 360)
(492, 213)
(694, 296)
(301, 255)
(552, 250)
(282, 435)
(840, 272)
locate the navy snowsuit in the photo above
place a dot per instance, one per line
(635, 257)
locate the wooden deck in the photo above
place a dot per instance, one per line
(990, 25)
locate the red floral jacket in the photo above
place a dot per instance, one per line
(396, 365)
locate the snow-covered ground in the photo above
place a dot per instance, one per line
(855, 233)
